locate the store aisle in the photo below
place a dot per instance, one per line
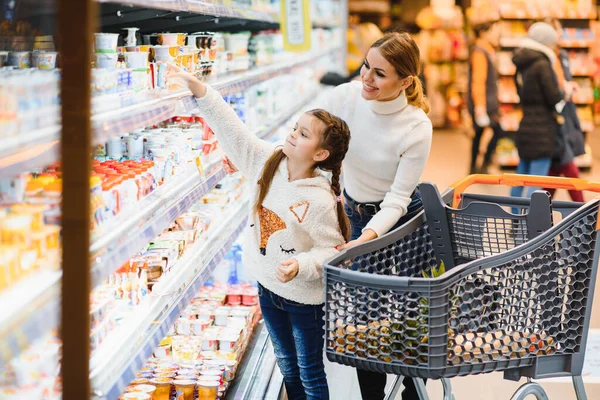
(449, 162)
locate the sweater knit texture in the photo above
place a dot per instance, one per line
(298, 219)
(388, 151)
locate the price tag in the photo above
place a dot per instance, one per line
(296, 25)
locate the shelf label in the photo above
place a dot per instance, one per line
(296, 25)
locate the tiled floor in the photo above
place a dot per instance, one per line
(449, 162)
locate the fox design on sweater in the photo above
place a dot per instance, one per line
(271, 223)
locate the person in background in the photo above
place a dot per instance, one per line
(483, 90)
(542, 101)
(572, 140)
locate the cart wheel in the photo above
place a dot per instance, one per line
(530, 388)
(579, 388)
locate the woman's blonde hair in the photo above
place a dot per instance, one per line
(401, 50)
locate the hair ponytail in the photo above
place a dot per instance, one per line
(337, 190)
(415, 96)
(266, 178)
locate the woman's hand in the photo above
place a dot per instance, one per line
(288, 270)
(367, 235)
(197, 88)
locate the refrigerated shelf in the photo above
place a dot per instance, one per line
(116, 362)
(27, 152)
(31, 309)
(214, 8)
(150, 218)
(161, 208)
(40, 148)
(257, 377)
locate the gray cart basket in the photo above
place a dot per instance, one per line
(516, 295)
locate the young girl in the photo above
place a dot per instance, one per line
(297, 221)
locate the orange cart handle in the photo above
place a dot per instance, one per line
(522, 180)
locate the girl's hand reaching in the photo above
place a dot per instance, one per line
(174, 73)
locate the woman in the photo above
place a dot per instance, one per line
(391, 138)
(542, 101)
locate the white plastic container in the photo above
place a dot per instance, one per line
(168, 39)
(237, 43)
(107, 60)
(136, 60)
(106, 42)
(47, 60)
(162, 53)
(19, 59)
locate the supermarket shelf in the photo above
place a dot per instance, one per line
(152, 217)
(524, 16)
(125, 119)
(239, 82)
(29, 152)
(576, 44)
(213, 8)
(31, 309)
(582, 74)
(42, 147)
(114, 123)
(159, 210)
(510, 41)
(162, 207)
(119, 358)
(584, 103)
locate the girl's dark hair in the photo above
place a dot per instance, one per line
(335, 138)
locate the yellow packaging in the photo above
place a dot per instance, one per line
(52, 233)
(15, 230)
(40, 242)
(36, 211)
(184, 389)
(9, 265)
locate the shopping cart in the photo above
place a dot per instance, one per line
(467, 287)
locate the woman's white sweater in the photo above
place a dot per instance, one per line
(388, 151)
(298, 219)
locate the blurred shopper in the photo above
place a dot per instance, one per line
(571, 134)
(542, 101)
(483, 102)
